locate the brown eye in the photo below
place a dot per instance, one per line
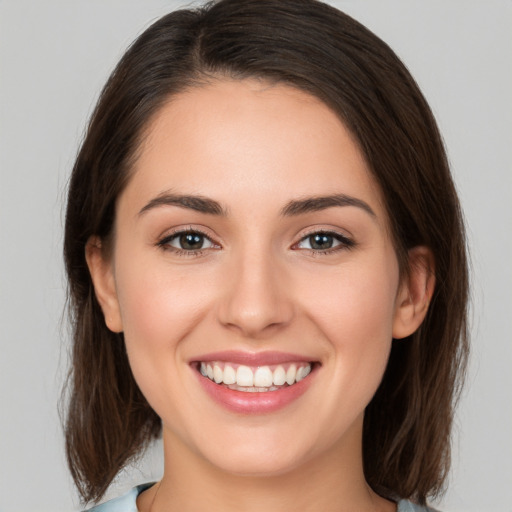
(325, 242)
(191, 241)
(321, 241)
(188, 241)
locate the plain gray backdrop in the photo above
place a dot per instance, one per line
(54, 58)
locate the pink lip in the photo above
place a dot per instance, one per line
(252, 359)
(254, 403)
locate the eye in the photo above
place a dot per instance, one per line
(187, 241)
(324, 241)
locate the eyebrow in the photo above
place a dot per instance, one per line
(198, 203)
(293, 208)
(318, 203)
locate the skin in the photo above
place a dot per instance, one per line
(255, 286)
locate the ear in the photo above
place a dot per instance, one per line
(415, 292)
(102, 274)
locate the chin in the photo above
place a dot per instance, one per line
(258, 455)
(257, 465)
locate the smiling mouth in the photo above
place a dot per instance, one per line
(260, 379)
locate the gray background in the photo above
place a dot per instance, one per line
(54, 58)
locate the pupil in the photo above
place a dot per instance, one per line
(320, 241)
(191, 241)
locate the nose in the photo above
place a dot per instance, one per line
(256, 299)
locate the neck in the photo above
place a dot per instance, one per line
(333, 481)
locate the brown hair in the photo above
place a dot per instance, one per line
(318, 49)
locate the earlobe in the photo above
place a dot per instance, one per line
(415, 292)
(102, 275)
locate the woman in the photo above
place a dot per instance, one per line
(267, 266)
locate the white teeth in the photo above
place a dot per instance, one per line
(244, 376)
(218, 374)
(279, 376)
(291, 374)
(259, 379)
(263, 377)
(252, 389)
(229, 375)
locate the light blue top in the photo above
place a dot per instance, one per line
(127, 503)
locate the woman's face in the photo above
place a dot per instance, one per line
(252, 245)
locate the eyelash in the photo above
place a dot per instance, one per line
(345, 243)
(164, 243)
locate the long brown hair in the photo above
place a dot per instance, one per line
(318, 49)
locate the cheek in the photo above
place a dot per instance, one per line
(356, 299)
(158, 305)
(159, 309)
(356, 319)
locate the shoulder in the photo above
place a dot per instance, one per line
(128, 503)
(125, 503)
(409, 506)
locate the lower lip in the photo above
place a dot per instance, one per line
(255, 403)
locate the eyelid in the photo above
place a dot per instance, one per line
(345, 242)
(164, 240)
(176, 237)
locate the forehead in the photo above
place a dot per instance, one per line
(250, 140)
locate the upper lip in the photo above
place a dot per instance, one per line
(252, 358)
